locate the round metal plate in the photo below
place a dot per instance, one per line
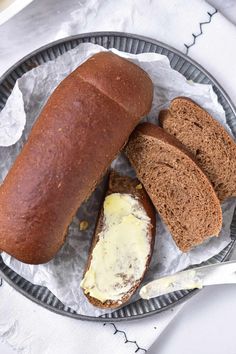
(131, 44)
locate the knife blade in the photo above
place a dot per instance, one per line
(221, 273)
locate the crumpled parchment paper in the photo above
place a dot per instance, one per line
(63, 274)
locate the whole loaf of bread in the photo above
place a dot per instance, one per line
(85, 123)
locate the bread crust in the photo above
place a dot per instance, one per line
(81, 129)
(124, 184)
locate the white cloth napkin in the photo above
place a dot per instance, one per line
(32, 329)
(195, 28)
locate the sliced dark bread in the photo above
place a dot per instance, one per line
(178, 188)
(120, 278)
(208, 141)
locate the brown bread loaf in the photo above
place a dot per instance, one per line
(124, 283)
(178, 188)
(208, 141)
(81, 129)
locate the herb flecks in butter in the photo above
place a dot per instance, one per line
(119, 257)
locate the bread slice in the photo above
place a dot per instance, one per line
(180, 191)
(207, 140)
(122, 265)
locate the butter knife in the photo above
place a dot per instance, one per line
(221, 273)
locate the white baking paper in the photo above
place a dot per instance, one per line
(63, 274)
(12, 126)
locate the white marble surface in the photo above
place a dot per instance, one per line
(226, 7)
(206, 323)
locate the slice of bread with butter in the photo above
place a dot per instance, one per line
(122, 244)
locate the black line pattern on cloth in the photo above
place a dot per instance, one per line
(138, 349)
(195, 36)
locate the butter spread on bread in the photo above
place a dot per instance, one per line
(122, 244)
(121, 253)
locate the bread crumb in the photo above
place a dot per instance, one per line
(139, 186)
(83, 225)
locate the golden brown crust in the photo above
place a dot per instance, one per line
(124, 184)
(77, 135)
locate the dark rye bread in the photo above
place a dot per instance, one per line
(180, 191)
(124, 184)
(83, 126)
(207, 140)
